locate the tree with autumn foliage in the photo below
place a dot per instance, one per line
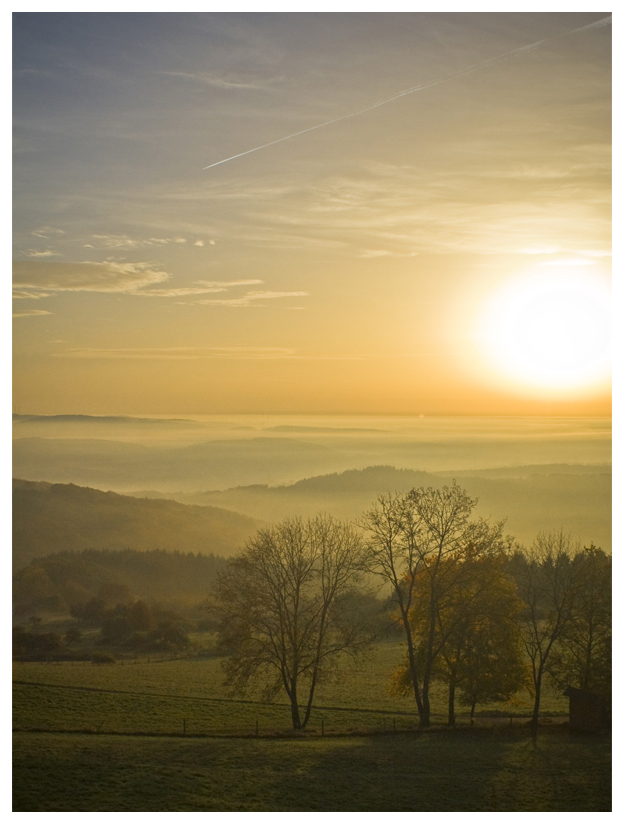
(475, 646)
(416, 543)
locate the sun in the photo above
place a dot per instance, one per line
(549, 331)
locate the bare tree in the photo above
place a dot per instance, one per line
(286, 609)
(549, 585)
(583, 655)
(395, 555)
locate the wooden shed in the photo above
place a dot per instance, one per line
(587, 711)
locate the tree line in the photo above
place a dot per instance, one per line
(60, 581)
(126, 624)
(477, 611)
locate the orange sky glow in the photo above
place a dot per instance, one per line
(422, 227)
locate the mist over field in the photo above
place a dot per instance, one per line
(216, 452)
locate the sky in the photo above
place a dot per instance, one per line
(444, 252)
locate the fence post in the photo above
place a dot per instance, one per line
(393, 724)
(322, 730)
(184, 727)
(257, 727)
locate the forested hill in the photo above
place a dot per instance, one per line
(576, 498)
(53, 518)
(63, 580)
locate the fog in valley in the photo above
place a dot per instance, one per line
(536, 473)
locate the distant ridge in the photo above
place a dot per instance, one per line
(99, 419)
(206, 464)
(294, 428)
(531, 499)
(525, 470)
(52, 518)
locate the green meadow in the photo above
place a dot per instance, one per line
(111, 738)
(172, 696)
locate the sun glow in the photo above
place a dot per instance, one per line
(549, 331)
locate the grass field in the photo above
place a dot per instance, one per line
(157, 696)
(62, 765)
(478, 770)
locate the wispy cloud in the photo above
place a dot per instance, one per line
(113, 242)
(86, 276)
(46, 253)
(251, 299)
(136, 279)
(219, 82)
(200, 288)
(19, 294)
(484, 64)
(47, 232)
(176, 292)
(126, 242)
(246, 282)
(23, 313)
(476, 196)
(180, 353)
(385, 253)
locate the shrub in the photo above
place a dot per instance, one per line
(101, 658)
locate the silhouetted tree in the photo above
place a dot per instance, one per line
(73, 635)
(583, 655)
(140, 616)
(285, 608)
(549, 585)
(93, 613)
(38, 645)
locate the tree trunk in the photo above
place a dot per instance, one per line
(424, 721)
(311, 694)
(295, 718)
(412, 665)
(537, 686)
(424, 716)
(297, 725)
(451, 710)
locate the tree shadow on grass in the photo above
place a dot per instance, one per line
(493, 770)
(405, 772)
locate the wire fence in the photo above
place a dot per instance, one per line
(42, 707)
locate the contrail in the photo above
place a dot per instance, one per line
(598, 24)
